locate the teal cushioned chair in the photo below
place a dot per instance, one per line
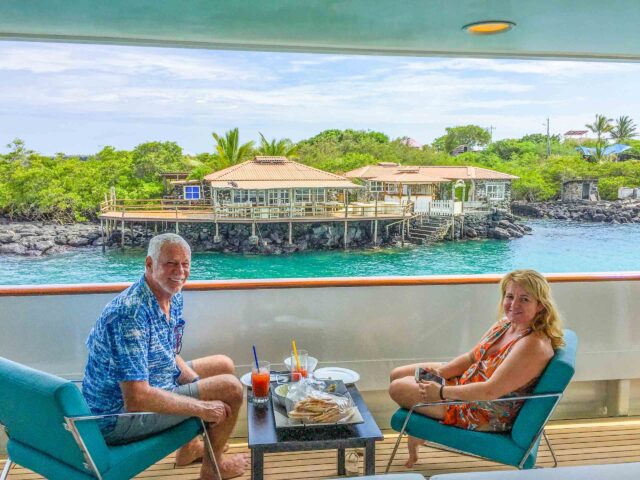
(52, 431)
(518, 448)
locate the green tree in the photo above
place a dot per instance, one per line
(277, 148)
(507, 148)
(469, 135)
(623, 130)
(19, 152)
(540, 138)
(229, 150)
(600, 127)
(152, 158)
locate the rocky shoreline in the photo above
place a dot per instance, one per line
(36, 238)
(614, 212)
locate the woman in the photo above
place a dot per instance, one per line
(507, 361)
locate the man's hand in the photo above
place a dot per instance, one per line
(214, 411)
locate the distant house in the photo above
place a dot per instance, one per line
(410, 142)
(272, 181)
(176, 185)
(585, 189)
(392, 182)
(577, 135)
(460, 149)
(614, 151)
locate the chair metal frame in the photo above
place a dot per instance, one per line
(90, 465)
(9, 463)
(557, 396)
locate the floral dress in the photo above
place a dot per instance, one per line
(486, 416)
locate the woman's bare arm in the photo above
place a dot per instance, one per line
(525, 361)
(456, 367)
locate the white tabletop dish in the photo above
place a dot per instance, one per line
(312, 362)
(337, 373)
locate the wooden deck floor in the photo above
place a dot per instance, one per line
(576, 442)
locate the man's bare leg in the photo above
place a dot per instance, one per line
(404, 391)
(205, 367)
(228, 389)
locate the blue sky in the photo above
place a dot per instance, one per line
(78, 98)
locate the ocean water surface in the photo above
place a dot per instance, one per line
(554, 247)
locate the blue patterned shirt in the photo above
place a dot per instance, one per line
(131, 341)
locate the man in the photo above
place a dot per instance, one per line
(134, 365)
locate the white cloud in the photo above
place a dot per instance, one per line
(548, 68)
(60, 58)
(138, 92)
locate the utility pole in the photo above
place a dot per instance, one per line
(548, 140)
(490, 130)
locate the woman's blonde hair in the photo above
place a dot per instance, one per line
(548, 319)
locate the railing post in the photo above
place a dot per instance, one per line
(122, 229)
(102, 234)
(375, 224)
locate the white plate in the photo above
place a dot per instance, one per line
(337, 373)
(246, 378)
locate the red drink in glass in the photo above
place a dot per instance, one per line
(260, 380)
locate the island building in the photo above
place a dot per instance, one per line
(431, 189)
(584, 189)
(264, 190)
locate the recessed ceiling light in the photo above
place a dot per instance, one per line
(489, 27)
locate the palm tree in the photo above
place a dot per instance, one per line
(600, 127)
(277, 148)
(624, 129)
(229, 150)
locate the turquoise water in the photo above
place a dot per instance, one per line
(555, 246)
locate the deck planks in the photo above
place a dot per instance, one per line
(576, 442)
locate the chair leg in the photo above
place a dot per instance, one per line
(402, 430)
(395, 449)
(209, 447)
(553, 454)
(5, 470)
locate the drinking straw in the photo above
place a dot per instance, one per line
(295, 354)
(255, 357)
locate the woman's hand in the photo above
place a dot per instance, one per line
(429, 391)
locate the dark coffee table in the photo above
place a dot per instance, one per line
(265, 438)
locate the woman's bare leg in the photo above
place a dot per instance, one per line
(404, 391)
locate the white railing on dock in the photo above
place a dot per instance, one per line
(183, 210)
(440, 207)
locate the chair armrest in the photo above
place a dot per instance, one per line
(83, 418)
(501, 399)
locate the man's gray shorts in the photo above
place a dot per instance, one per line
(136, 427)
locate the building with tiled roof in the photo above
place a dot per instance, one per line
(422, 184)
(275, 181)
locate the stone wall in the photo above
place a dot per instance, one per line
(572, 190)
(619, 211)
(481, 193)
(273, 238)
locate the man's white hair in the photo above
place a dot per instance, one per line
(157, 242)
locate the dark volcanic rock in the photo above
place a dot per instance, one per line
(500, 233)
